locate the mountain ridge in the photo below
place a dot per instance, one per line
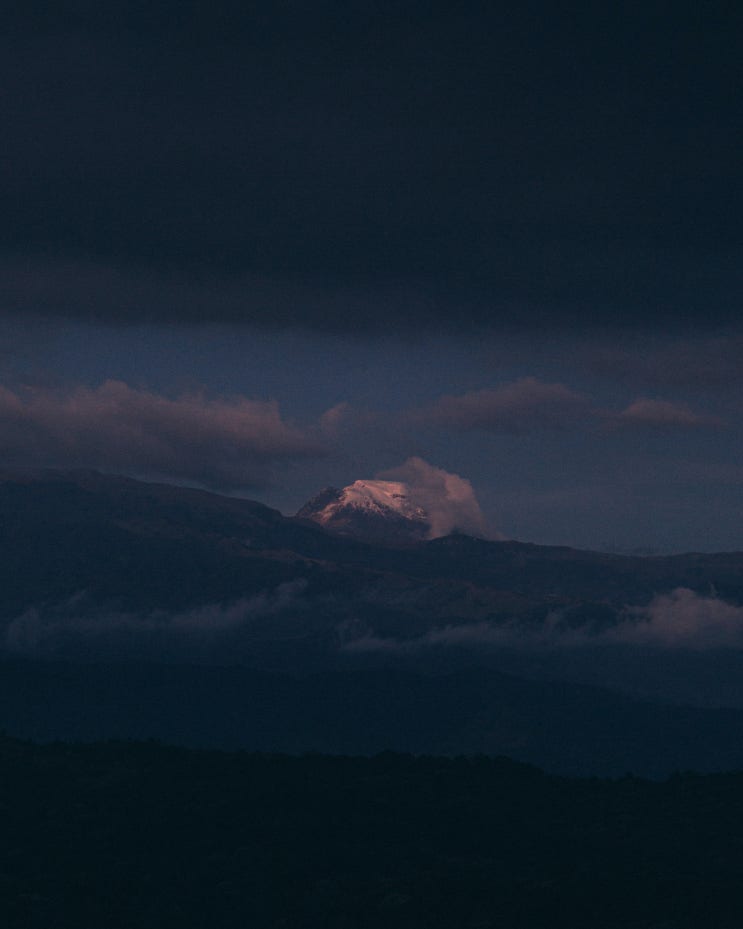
(93, 552)
(99, 571)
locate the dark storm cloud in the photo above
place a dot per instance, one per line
(223, 443)
(104, 292)
(525, 405)
(372, 165)
(705, 363)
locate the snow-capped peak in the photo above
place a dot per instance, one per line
(367, 509)
(379, 496)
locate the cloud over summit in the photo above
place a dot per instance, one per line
(448, 499)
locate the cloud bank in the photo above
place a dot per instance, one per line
(680, 619)
(81, 625)
(225, 444)
(448, 499)
(684, 619)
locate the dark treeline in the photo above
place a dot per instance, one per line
(140, 836)
(563, 728)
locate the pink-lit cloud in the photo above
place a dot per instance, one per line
(684, 619)
(525, 405)
(226, 443)
(662, 414)
(448, 499)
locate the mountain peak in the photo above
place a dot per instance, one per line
(370, 510)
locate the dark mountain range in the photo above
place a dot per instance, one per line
(153, 546)
(101, 559)
(191, 617)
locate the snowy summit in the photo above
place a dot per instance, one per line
(375, 511)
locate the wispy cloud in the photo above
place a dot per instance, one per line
(81, 625)
(226, 443)
(680, 619)
(524, 405)
(662, 414)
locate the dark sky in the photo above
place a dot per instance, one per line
(267, 248)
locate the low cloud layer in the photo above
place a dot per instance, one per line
(684, 619)
(448, 499)
(223, 443)
(82, 626)
(680, 619)
(525, 405)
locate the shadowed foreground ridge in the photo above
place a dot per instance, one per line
(563, 728)
(139, 835)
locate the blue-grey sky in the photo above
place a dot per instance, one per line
(267, 250)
